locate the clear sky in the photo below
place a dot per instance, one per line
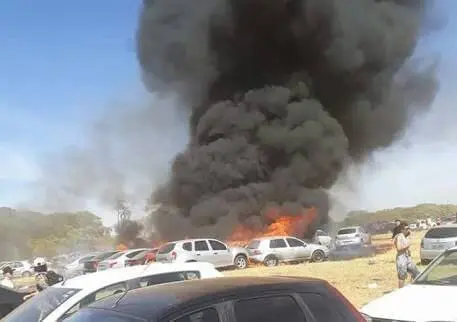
(62, 62)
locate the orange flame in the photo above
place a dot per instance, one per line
(121, 247)
(283, 225)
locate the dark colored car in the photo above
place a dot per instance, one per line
(348, 252)
(9, 300)
(226, 299)
(90, 266)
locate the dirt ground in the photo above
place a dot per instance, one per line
(361, 280)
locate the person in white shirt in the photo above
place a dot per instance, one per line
(7, 280)
(404, 262)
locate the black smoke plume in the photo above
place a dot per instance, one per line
(282, 95)
(128, 231)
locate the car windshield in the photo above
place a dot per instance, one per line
(41, 305)
(443, 271)
(442, 232)
(89, 315)
(347, 231)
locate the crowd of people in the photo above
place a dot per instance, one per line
(43, 277)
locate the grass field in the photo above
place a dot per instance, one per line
(361, 280)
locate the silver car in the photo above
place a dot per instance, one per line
(352, 235)
(272, 250)
(203, 250)
(437, 240)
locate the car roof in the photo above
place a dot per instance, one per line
(190, 240)
(273, 237)
(349, 227)
(170, 295)
(445, 226)
(97, 280)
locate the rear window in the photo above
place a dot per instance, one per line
(116, 255)
(442, 232)
(254, 244)
(87, 314)
(165, 249)
(138, 252)
(103, 256)
(41, 305)
(347, 231)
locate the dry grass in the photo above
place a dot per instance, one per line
(361, 280)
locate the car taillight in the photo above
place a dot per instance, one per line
(256, 252)
(112, 264)
(173, 256)
(355, 313)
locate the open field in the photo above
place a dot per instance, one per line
(361, 280)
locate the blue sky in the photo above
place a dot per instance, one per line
(62, 62)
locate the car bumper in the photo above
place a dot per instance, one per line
(429, 254)
(345, 242)
(256, 259)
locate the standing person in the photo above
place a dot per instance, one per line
(43, 277)
(404, 262)
(396, 229)
(7, 280)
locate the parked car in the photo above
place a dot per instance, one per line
(322, 238)
(430, 297)
(436, 240)
(273, 250)
(21, 268)
(228, 299)
(203, 250)
(9, 300)
(90, 266)
(64, 299)
(351, 251)
(151, 256)
(352, 235)
(141, 258)
(119, 259)
(76, 267)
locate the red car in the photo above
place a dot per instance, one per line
(151, 256)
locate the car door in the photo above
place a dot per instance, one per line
(299, 248)
(280, 248)
(221, 253)
(202, 252)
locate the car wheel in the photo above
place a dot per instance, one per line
(26, 274)
(318, 256)
(271, 261)
(241, 262)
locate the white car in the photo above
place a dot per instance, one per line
(76, 267)
(430, 297)
(63, 299)
(351, 236)
(322, 238)
(119, 259)
(22, 268)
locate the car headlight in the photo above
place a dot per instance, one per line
(366, 317)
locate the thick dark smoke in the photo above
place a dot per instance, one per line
(283, 94)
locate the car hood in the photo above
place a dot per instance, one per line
(419, 303)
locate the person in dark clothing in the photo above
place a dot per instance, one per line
(397, 228)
